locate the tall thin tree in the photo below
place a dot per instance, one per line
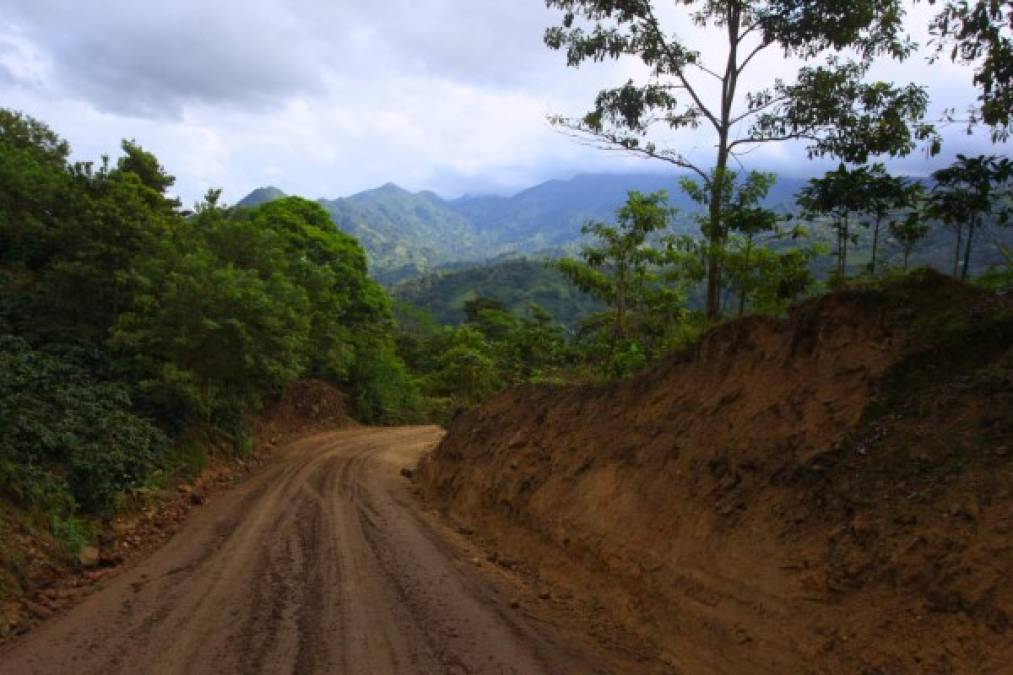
(830, 106)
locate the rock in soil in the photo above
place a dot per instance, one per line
(89, 556)
(40, 612)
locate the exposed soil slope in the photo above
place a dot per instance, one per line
(829, 493)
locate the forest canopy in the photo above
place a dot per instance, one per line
(127, 322)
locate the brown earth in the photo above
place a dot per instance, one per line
(306, 405)
(828, 493)
(321, 562)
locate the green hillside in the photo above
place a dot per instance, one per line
(517, 284)
(406, 234)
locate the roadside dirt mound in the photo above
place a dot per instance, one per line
(829, 493)
(306, 405)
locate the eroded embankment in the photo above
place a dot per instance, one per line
(825, 493)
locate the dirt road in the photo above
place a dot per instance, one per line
(320, 563)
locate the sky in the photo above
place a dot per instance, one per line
(325, 98)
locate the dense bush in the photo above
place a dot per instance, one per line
(126, 323)
(69, 439)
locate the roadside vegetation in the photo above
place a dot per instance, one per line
(128, 324)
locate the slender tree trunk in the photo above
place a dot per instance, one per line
(619, 329)
(956, 256)
(842, 246)
(967, 251)
(875, 244)
(840, 251)
(742, 291)
(907, 252)
(716, 237)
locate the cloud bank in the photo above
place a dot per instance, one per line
(327, 97)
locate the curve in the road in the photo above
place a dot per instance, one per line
(318, 564)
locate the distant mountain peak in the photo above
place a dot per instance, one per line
(261, 195)
(390, 187)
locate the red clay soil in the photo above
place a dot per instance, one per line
(828, 493)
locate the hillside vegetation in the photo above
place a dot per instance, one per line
(515, 284)
(134, 340)
(407, 234)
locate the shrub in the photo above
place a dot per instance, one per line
(68, 438)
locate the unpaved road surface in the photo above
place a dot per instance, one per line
(320, 563)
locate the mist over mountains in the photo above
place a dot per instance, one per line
(406, 234)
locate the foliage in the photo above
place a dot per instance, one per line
(887, 196)
(966, 192)
(831, 107)
(624, 270)
(515, 283)
(459, 366)
(33, 182)
(765, 278)
(128, 326)
(387, 392)
(908, 231)
(864, 190)
(66, 433)
(980, 32)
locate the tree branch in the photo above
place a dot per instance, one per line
(758, 109)
(706, 70)
(809, 136)
(756, 50)
(604, 140)
(660, 36)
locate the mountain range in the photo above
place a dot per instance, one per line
(406, 234)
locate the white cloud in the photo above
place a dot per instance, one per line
(324, 98)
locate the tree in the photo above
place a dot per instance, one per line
(837, 194)
(146, 167)
(466, 369)
(980, 33)
(884, 195)
(36, 189)
(622, 269)
(742, 216)
(965, 193)
(537, 344)
(908, 231)
(831, 107)
(96, 266)
(348, 310)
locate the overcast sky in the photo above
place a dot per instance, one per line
(328, 97)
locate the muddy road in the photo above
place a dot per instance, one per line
(319, 563)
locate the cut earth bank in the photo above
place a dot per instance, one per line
(831, 492)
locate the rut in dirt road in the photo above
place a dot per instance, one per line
(319, 564)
